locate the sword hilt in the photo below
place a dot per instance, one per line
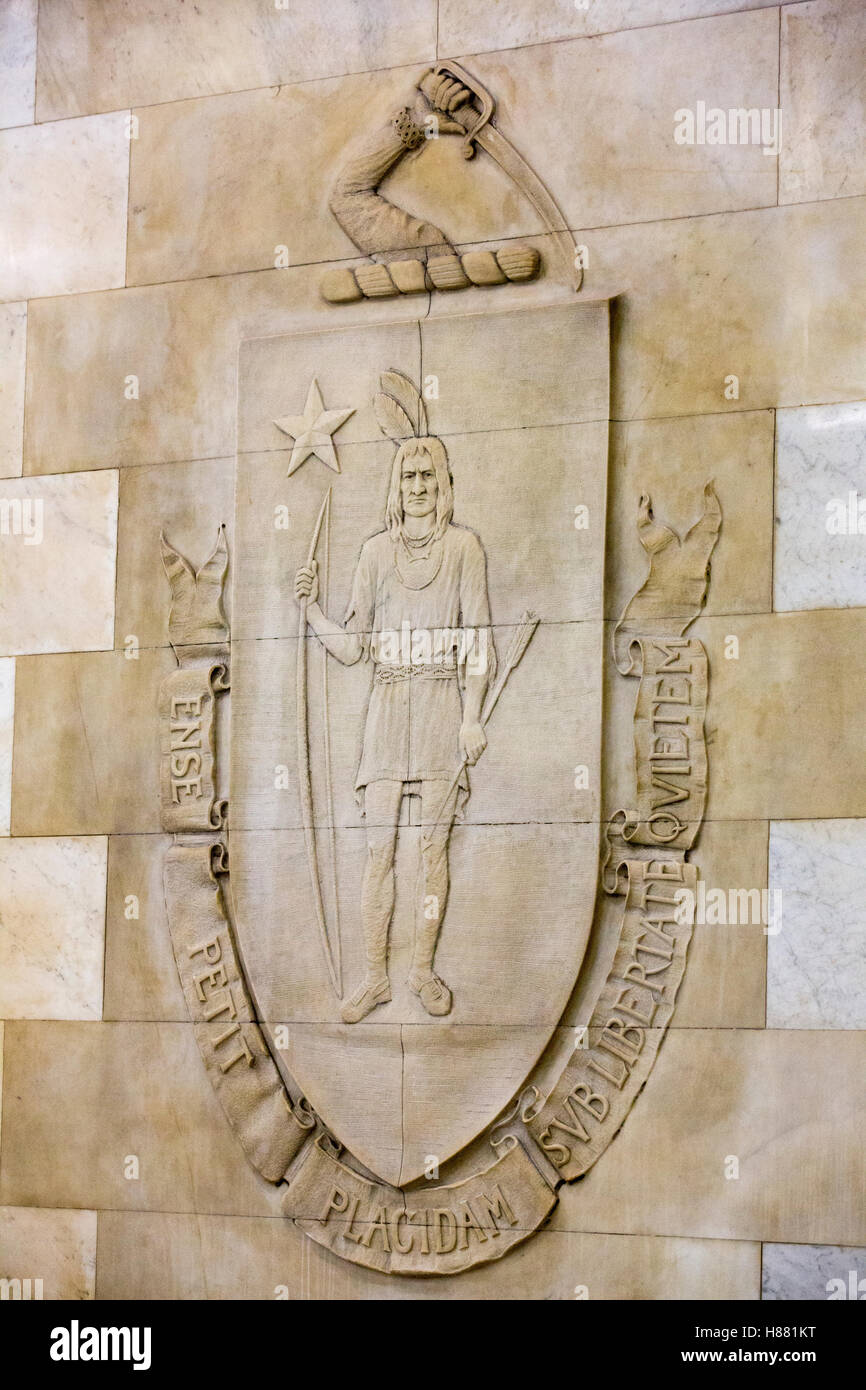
(483, 112)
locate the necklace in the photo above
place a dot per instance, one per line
(422, 558)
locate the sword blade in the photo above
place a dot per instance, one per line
(526, 179)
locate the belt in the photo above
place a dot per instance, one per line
(387, 675)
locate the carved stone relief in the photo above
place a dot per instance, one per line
(407, 255)
(379, 941)
(377, 983)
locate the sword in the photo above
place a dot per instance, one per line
(477, 123)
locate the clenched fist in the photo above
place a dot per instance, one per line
(446, 95)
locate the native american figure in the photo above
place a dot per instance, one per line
(419, 612)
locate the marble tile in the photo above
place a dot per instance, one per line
(725, 980)
(820, 555)
(181, 343)
(82, 1097)
(697, 305)
(64, 193)
(7, 716)
(672, 460)
(98, 57)
(58, 548)
(17, 61)
(824, 133)
(512, 23)
(788, 1106)
(185, 1257)
(141, 980)
(13, 348)
(72, 773)
(52, 931)
(189, 502)
(54, 1246)
(254, 151)
(193, 157)
(816, 964)
(812, 1272)
(785, 719)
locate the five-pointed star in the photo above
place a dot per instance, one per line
(312, 431)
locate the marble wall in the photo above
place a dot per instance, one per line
(149, 170)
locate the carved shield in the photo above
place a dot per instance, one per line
(391, 987)
(519, 400)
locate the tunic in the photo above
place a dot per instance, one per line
(421, 641)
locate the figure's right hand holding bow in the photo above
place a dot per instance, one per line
(307, 583)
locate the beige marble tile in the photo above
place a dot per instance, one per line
(784, 720)
(272, 156)
(17, 61)
(726, 976)
(813, 1273)
(672, 460)
(191, 157)
(820, 468)
(816, 965)
(94, 58)
(7, 716)
(82, 1097)
(775, 297)
(13, 347)
(72, 773)
(789, 1106)
(621, 163)
(54, 1246)
(141, 980)
(64, 192)
(52, 931)
(824, 138)
(58, 545)
(189, 502)
(187, 1257)
(181, 342)
(512, 23)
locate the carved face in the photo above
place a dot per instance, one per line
(419, 488)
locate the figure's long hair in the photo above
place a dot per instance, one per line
(402, 415)
(434, 449)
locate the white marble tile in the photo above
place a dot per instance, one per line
(816, 963)
(823, 58)
(7, 714)
(54, 1246)
(63, 190)
(17, 61)
(820, 557)
(52, 927)
(58, 550)
(13, 346)
(813, 1272)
